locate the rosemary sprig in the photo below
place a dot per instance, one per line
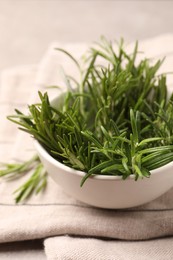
(117, 121)
(14, 170)
(36, 183)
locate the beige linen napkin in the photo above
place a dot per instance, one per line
(61, 248)
(56, 214)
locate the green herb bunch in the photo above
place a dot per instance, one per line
(117, 119)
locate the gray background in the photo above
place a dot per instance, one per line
(27, 27)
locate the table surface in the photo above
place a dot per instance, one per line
(28, 27)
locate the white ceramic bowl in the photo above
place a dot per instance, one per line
(108, 191)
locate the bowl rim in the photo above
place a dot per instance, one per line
(42, 151)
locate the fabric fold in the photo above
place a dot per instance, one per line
(66, 247)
